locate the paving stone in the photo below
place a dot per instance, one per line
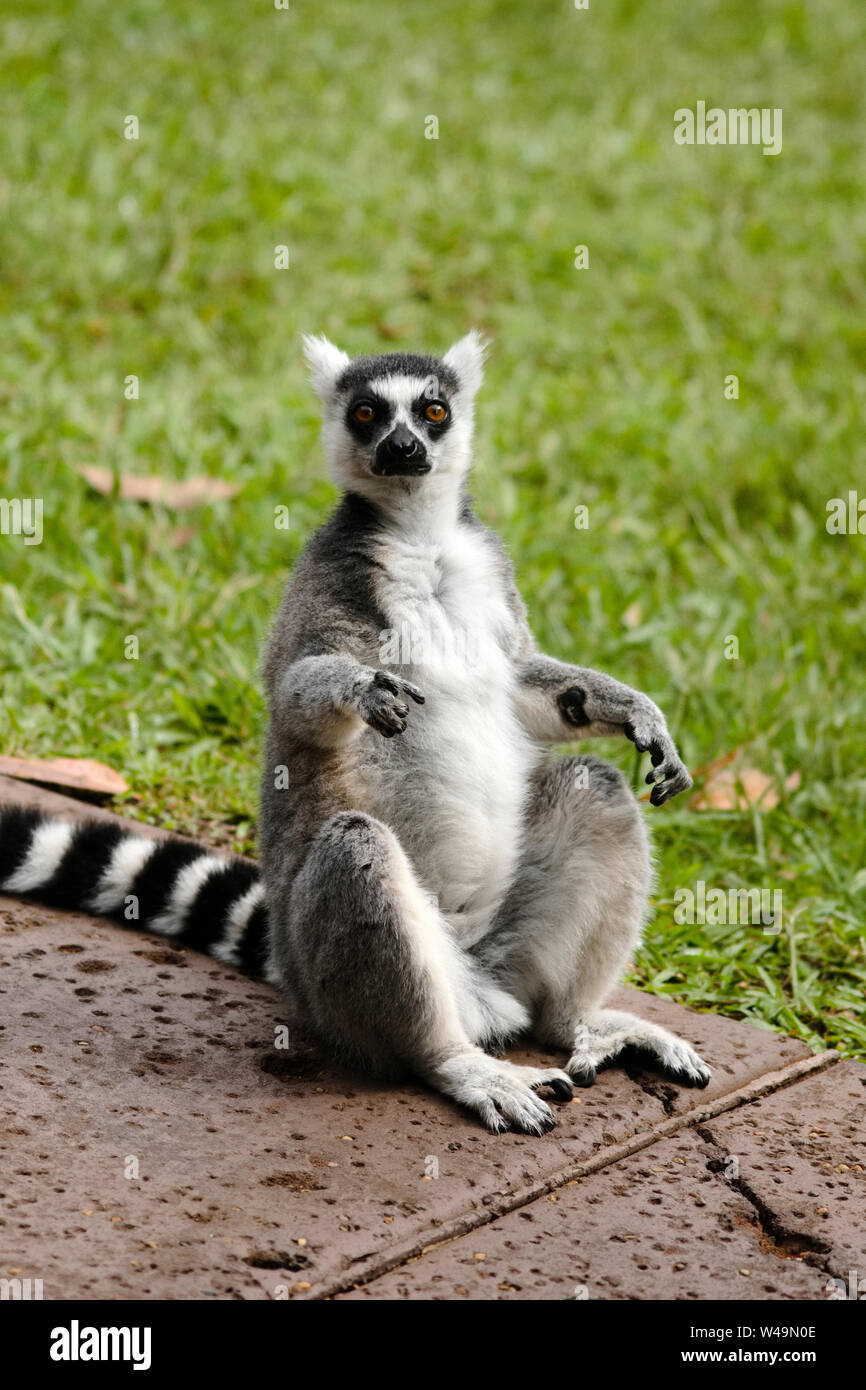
(737, 1052)
(801, 1155)
(116, 1046)
(657, 1225)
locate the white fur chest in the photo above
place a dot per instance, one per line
(453, 785)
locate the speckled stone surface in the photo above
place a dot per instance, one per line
(657, 1225)
(157, 1140)
(801, 1156)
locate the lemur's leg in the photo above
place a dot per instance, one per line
(370, 960)
(574, 916)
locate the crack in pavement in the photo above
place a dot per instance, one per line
(786, 1243)
(382, 1263)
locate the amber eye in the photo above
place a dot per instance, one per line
(435, 412)
(364, 413)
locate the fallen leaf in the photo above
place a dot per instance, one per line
(190, 492)
(631, 616)
(731, 790)
(75, 774)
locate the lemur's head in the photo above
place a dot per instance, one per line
(392, 421)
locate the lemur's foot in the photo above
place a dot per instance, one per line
(501, 1093)
(612, 1033)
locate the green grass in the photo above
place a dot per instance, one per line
(605, 387)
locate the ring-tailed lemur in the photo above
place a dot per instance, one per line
(434, 880)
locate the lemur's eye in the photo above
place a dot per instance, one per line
(436, 412)
(364, 413)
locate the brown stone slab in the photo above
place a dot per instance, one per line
(801, 1158)
(737, 1052)
(116, 1046)
(658, 1225)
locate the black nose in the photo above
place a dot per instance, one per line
(401, 452)
(402, 443)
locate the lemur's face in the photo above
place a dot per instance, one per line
(396, 421)
(398, 417)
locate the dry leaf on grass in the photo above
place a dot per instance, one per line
(631, 616)
(191, 492)
(74, 774)
(730, 790)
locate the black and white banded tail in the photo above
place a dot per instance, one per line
(207, 902)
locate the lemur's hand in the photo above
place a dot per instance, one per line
(669, 774)
(606, 702)
(380, 704)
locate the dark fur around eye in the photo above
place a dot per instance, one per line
(364, 430)
(433, 427)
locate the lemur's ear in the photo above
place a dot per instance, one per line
(466, 360)
(325, 362)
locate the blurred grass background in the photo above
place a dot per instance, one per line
(260, 127)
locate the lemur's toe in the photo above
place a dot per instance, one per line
(698, 1077)
(560, 1085)
(675, 781)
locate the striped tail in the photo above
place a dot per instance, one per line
(210, 904)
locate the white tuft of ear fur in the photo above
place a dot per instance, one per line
(466, 360)
(325, 362)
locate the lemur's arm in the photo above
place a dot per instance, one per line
(558, 702)
(324, 699)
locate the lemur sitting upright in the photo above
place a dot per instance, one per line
(435, 882)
